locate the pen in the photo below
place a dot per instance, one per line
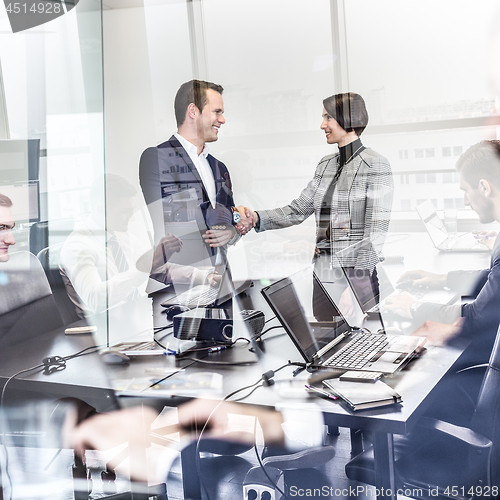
(319, 391)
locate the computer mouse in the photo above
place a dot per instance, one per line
(114, 358)
(174, 311)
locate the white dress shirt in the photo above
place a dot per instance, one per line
(202, 165)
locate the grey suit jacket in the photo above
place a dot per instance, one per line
(360, 206)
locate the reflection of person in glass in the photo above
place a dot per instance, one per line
(104, 266)
(351, 192)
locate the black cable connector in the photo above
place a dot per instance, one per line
(53, 364)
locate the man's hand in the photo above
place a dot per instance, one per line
(248, 220)
(400, 304)
(486, 238)
(438, 333)
(151, 261)
(424, 279)
(193, 416)
(108, 430)
(218, 237)
(168, 245)
(214, 279)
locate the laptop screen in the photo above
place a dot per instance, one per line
(283, 300)
(434, 225)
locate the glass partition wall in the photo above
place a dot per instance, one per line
(428, 88)
(52, 135)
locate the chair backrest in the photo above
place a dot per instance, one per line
(39, 233)
(49, 258)
(27, 307)
(486, 418)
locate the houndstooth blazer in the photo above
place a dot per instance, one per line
(361, 201)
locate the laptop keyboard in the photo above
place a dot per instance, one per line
(362, 348)
(203, 295)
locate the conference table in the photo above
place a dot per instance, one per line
(86, 377)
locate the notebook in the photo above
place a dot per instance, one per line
(439, 235)
(334, 344)
(359, 396)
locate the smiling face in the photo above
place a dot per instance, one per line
(478, 200)
(211, 117)
(6, 237)
(335, 134)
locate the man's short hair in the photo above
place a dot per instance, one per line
(5, 201)
(481, 161)
(194, 91)
(348, 110)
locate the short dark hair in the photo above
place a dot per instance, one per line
(5, 201)
(194, 91)
(348, 110)
(481, 161)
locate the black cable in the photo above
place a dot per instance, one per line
(266, 378)
(247, 395)
(159, 343)
(257, 337)
(270, 319)
(262, 466)
(161, 328)
(226, 363)
(168, 376)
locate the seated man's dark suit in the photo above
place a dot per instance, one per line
(481, 319)
(178, 201)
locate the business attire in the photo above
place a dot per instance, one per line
(358, 206)
(186, 194)
(481, 315)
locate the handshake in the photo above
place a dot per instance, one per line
(248, 220)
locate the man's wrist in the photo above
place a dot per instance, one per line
(414, 308)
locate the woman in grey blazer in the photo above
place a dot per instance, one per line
(350, 194)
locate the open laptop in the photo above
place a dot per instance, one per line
(335, 344)
(439, 235)
(370, 297)
(209, 296)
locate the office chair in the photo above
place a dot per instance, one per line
(27, 307)
(439, 455)
(49, 258)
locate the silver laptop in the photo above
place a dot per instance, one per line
(371, 296)
(334, 344)
(439, 235)
(206, 295)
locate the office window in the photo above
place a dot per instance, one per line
(419, 153)
(430, 153)
(459, 203)
(431, 178)
(450, 177)
(446, 151)
(457, 150)
(448, 203)
(406, 205)
(420, 178)
(403, 154)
